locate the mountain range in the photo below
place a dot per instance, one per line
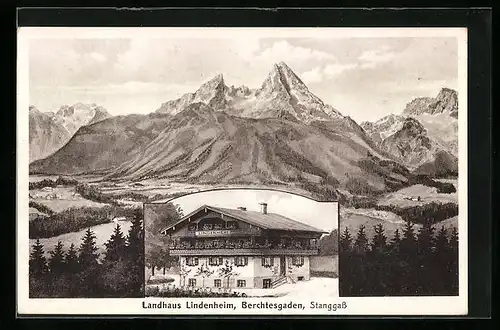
(424, 137)
(49, 131)
(278, 133)
(281, 95)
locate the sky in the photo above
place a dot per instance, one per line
(322, 215)
(365, 78)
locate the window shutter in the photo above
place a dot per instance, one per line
(246, 261)
(220, 260)
(263, 261)
(271, 263)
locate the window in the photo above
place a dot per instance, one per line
(300, 278)
(298, 261)
(267, 261)
(217, 283)
(192, 282)
(192, 261)
(241, 283)
(241, 261)
(215, 261)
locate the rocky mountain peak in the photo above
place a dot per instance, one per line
(281, 94)
(72, 117)
(214, 83)
(282, 79)
(445, 102)
(65, 110)
(413, 125)
(446, 92)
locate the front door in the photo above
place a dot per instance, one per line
(282, 266)
(266, 283)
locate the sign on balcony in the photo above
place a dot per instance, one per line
(213, 233)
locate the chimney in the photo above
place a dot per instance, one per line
(242, 208)
(263, 208)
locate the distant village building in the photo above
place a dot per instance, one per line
(235, 248)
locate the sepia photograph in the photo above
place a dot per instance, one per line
(208, 244)
(293, 165)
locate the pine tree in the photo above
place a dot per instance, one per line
(361, 242)
(408, 241)
(425, 239)
(115, 247)
(135, 239)
(441, 241)
(345, 240)
(37, 262)
(425, 279)
(135, 255)
(71, 260)
(454, 239)
(56, 261)
(379, 241)
(396, 241)
(453, 263)
(88, 251)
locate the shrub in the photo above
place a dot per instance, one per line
(160, 280)
(60, 181)
(93, 193)
(442, 187)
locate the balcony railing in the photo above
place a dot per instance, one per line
(232, 245)
(248, 252)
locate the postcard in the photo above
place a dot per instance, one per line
(248, 171)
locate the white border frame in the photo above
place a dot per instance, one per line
(355, 306)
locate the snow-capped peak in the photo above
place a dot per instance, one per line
(281, 95)
(445, 102)
(75, 116)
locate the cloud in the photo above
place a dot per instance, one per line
(329, 71)
(246, 48)
(128, 88)
(334, 69)
(284, 51)
(97, 57)
(312, 76)
(374, 57)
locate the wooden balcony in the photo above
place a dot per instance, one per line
(246, 252)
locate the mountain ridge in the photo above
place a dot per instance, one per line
(279, 133)
(49, 131)
(281, 94)
(425, 132)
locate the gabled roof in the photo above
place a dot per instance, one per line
(271, 221)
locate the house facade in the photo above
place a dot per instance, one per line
(236, 248)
